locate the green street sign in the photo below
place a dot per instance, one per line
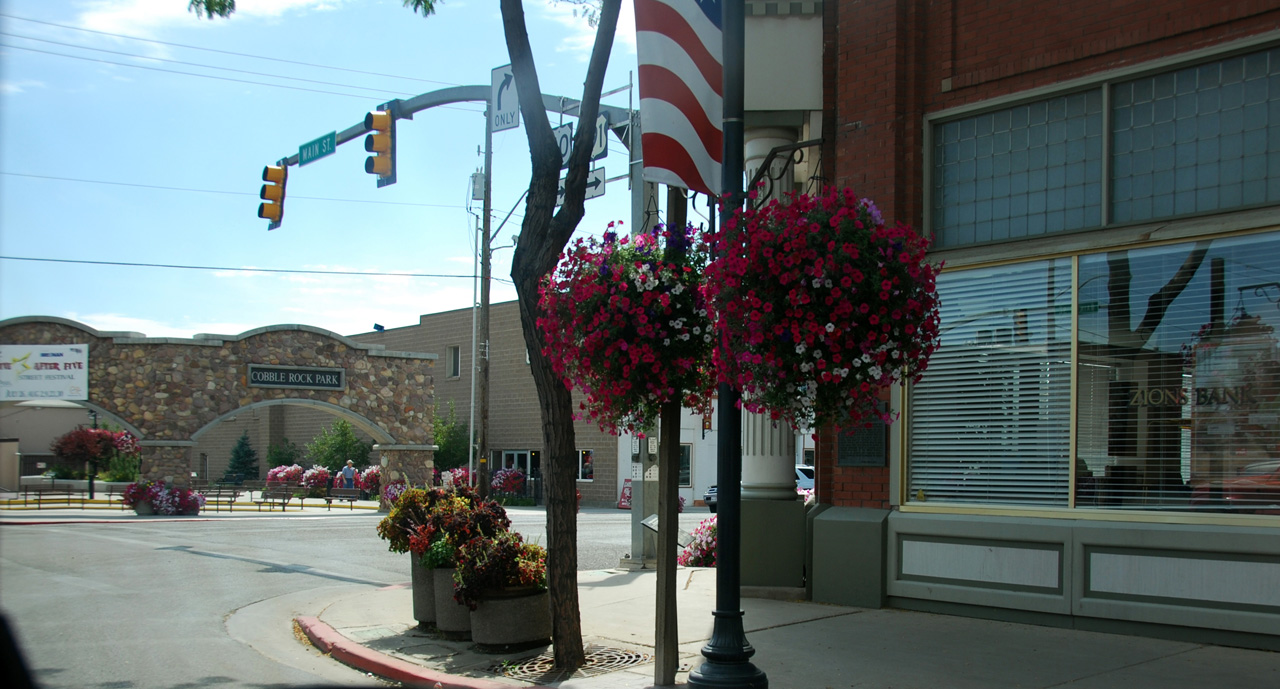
(315, 150)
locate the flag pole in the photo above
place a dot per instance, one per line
(728, 653)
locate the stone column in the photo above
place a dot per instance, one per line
(768, 459)
(413, 464)
(772, 512)
(758, 142)
(166, 461)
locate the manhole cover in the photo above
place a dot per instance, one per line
(600, 660)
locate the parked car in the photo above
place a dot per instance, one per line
(1255, 489)
(804, 477)
(804, 481)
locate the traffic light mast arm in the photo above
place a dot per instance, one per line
(405, 110)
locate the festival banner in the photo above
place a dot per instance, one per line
(37, 372)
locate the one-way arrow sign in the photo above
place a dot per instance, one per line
(595, 186)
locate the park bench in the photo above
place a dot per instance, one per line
(218, 497)
(348, 494)
(50, 493)
(276, 494)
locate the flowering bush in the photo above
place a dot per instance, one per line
(163, 499)
(141, 491)
(392, 491)
(509, 481)
(701, 552)
(290, 475)
(370, 479)
(806, 495)
(117, 450)
(178, 501)
(625, 322)
(501, 561)
(316, 477)
(820, 306)
(460, 476)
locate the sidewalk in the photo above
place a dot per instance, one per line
(797, 644)
(13, 508)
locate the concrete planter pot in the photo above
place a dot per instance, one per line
(144, 508)
(453, 619)
(424, 596)
(512, 620)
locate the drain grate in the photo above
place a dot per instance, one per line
(600, 660)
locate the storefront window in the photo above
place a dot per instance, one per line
(1179, 380)
(586, 465)
(990, 421)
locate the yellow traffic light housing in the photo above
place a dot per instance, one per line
(381, 142)
(272, 194)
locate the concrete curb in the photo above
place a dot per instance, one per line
(328, 640)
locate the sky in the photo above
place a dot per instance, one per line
(114, 149)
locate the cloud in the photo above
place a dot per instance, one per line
(115, 322)
(145, 17)
(581, 36)
(10, 88)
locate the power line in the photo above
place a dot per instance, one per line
(195, 64)
(232, 193)
(224, 52)
(187, 74)
(239, 270)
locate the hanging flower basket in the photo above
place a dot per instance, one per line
(820, 306)
(625, 322)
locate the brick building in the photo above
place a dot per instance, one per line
(1096, 440)
(515, 424)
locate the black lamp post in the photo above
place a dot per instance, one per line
(93, 466)
(728, 653)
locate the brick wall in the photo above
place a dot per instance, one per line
(889, 63)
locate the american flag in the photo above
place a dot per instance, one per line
(678, 43)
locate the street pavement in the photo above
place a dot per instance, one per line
(797, 643)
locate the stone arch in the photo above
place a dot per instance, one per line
(379, 435)
(168, 391)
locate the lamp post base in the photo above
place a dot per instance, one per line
(728, 656)
(739, 675)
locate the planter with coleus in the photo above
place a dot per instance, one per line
(820, 306)
(408, 513)
(503, 580)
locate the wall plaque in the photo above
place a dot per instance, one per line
(864, 447)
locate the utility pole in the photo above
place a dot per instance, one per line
(482, 335)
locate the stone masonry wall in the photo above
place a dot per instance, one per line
(169, 389)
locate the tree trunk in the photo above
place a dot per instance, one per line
(544, 233)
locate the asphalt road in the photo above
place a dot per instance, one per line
(142, 604)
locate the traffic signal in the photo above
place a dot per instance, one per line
(272, 194)
(381, 142)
